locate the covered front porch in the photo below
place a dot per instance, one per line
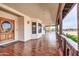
(38, 29)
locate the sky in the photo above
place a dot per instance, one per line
(70, 21)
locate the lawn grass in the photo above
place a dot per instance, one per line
(72, 37)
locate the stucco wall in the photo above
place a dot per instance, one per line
(27, 28)
(23, 29)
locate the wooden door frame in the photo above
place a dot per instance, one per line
(12, 22)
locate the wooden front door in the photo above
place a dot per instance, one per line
(6, 29)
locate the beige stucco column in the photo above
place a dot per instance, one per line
(21, 28)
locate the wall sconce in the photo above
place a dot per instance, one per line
(28, 22)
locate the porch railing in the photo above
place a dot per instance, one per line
(68, 48)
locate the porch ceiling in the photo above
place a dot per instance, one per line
(46, 12)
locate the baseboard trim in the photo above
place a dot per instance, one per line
(3, 44)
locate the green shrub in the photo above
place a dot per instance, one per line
(73, 37)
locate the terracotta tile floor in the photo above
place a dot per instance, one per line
(33, 47)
